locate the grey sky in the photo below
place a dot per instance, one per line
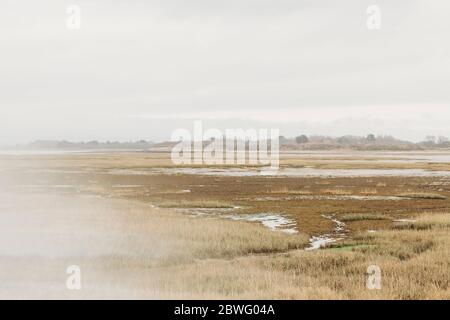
(140, 69)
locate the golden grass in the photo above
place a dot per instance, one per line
(368, 192)
(414, 265)
(197, 238)
(336, 192)
(427, 222)
(143, 160)
(158, 253)
(121, 242)
(286, 190)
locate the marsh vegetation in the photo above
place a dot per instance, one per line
(213, 236)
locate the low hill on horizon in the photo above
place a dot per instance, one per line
(303, 142)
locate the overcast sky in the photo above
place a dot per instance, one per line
(140, 69)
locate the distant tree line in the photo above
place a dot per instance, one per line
(303, 141)
(370, 141)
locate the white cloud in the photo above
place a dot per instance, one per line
(266, 61)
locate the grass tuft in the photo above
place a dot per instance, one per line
(362, 216)
(196, 204)
(340, 192)
(286, 190)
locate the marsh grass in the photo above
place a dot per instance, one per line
(427, 222)
(196, 204)
(340, 192)
(361, 217)
(413, 265)
(286, 190)
(368, 191)
(205, 238)
(187, 239)
(127, 244)
(159, 253)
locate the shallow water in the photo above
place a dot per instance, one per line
(381, 156)
(205, 212)
(405, 220)
(338, 197)
(339, 233)
(313, 172)
(127, 186)
(31, 152)
(287, 172)
(47, 186)
(273, 221)
(318, 242)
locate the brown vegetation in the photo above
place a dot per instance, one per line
(159, 253)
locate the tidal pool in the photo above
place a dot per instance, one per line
(286, 172)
